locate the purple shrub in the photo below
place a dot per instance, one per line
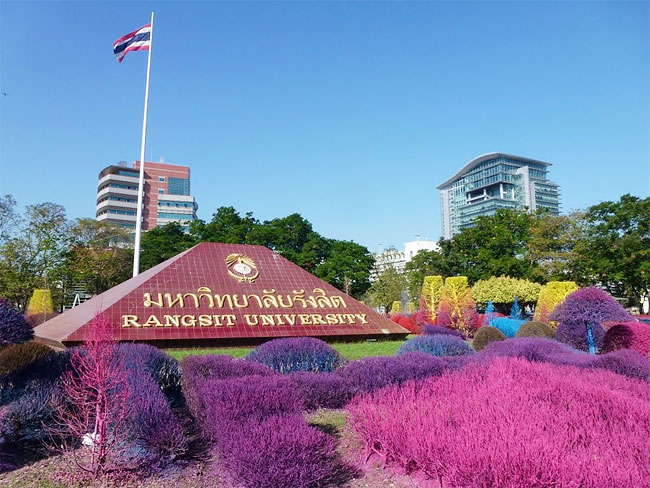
(371, 374)
(154, 428)
(164, 369)
(530, 348)
(625, 362)
(197, 369)
(321, 390)
(429, 329)
(297, 354)
(280, 451)
(589, 306)
(252, 398)
(514, 424)
(575, 335)
(14, 328)
(436, 345)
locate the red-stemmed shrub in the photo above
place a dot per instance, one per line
(514, 424)
(628, 335)
(321, 390)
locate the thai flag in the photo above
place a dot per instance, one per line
(139, 40)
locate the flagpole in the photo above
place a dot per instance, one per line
(138, 223)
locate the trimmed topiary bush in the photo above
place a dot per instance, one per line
(550, 296)
(575, 335)
(281, 451)
(565, 416)
(503, 290)
(535, 329)
(429, 329)
(625, 362)
(15, 356)
(508, 326)
(14, 329)
(486, 335)
(396, 307)
(321, 390)
(589, 306)
(628, 335)
(436, 345)
(40, 303)
(373, 373)
(529, 348)
(297, 354)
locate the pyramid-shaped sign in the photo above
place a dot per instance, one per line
(221, 293)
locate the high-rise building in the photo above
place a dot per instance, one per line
(396, 259)
(495, 181)
(166, 195)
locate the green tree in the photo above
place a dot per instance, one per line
(9, 218)
(226, 226)
(614, 248)
(28, 259)
(98, 255)
(347, 267)
(550, 247)
(387, 288)
(162, 243)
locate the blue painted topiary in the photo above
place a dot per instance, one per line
(436, 345)
(508, 326)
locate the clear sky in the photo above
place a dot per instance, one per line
(348, 113)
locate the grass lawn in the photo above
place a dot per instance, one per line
(349, 350)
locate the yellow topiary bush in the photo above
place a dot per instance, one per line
(396, 308)
(551, 295)
(431, 295)
(504, 290)
(41, 303)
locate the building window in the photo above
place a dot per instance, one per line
(179, 186)
(161, 191)
(161, 178)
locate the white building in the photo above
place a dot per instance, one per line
(398, 259)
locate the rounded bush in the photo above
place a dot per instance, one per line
(428, 329)
(628, 335)
(436, 345)
(589, 306)
(535, 329)
(485, 335)
(575, 335)
(14, 329)
(297, 354)
(507, 325)
(625, 362)
(530, 348)
(321, 390)
(16, 356)
(370, 374)
(565, 416)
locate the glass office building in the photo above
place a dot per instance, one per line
(495, 181)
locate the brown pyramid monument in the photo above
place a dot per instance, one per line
(217, 293)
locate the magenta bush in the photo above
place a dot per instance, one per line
(280, 451)
(252, 398)
(154, 426)
(628, 335)
(512, 423)
(297, 354)
(197, 369)
(428, 329)
(321, 390)
(14, 329)
(370, 374)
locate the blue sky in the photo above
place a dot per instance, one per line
(348, 113)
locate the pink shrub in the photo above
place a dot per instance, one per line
(513, 424)
(628, 335)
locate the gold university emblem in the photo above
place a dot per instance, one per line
(242, 268)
